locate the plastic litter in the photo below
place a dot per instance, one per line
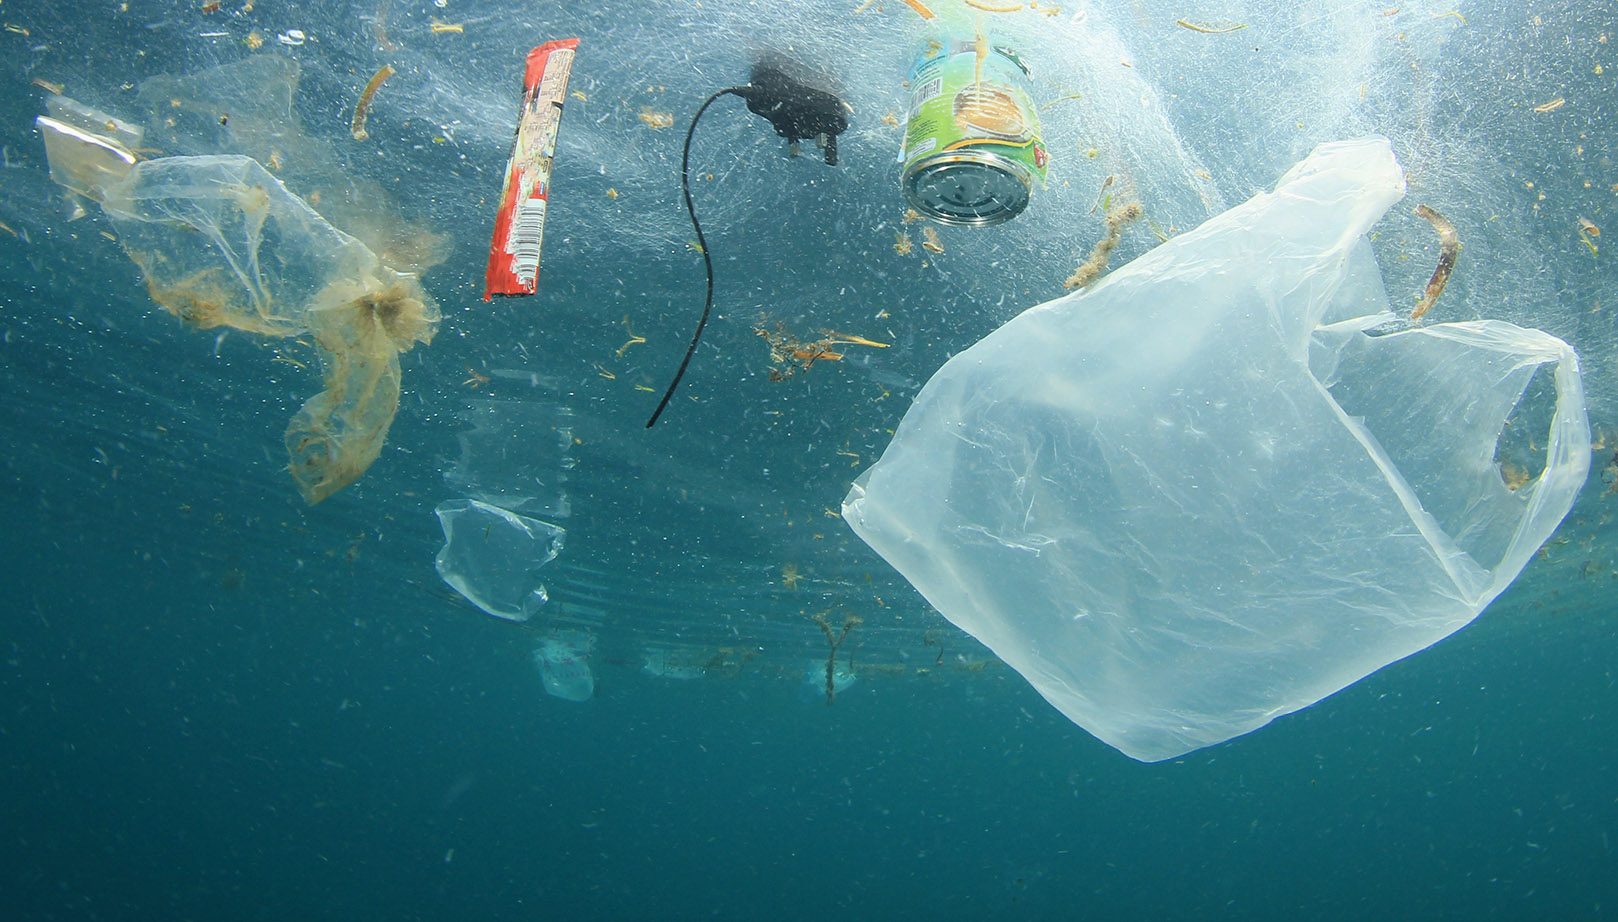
(223, 243)
(671, 663)
(85, 147)
(812, 690)
(564, 665)
(515, 454)
(519, 227)
(1225, 481)
(247, 107)
(492, 556)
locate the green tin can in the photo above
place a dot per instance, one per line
(972, 149)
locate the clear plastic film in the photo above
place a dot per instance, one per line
(1225, 482)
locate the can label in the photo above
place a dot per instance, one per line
(519, 226)
(972, 149)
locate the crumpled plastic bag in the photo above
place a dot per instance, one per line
(1225, 482)
(222, 242)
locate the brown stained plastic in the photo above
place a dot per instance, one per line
(223, 243)
(339, 432)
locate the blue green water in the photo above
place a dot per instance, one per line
(219, 703)
(178, 749)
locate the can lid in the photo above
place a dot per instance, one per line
(972, 189)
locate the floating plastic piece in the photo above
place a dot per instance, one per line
(87, 149)
(492, 556)
(1449, 245)
(1225, 481)
(362, 109)
(515, 455)
(520, 224)
(671, 663)
(564, 664)
(223, 243)
(183, 115)
(812, 690)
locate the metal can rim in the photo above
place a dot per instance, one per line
(1014, 168)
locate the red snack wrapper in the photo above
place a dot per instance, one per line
(520, 225)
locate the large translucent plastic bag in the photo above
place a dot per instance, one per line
(1215, 488)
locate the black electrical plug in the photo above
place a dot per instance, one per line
(796, 109)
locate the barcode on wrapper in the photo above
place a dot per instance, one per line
(519, 226)
(527, 233)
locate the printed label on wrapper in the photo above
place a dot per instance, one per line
(520, 225)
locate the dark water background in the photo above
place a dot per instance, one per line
(216, 703)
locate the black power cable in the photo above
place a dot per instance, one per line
(797, 111)
(702, 244)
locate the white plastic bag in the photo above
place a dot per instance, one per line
(1205, 492)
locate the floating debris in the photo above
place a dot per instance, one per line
(363, 108)
(849, 623)
(1448, 245)
(656, 119)
(635, 339)
(519, 228)
(1096, 263)
(790, 355)
(921, 9)
(1208, 30)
